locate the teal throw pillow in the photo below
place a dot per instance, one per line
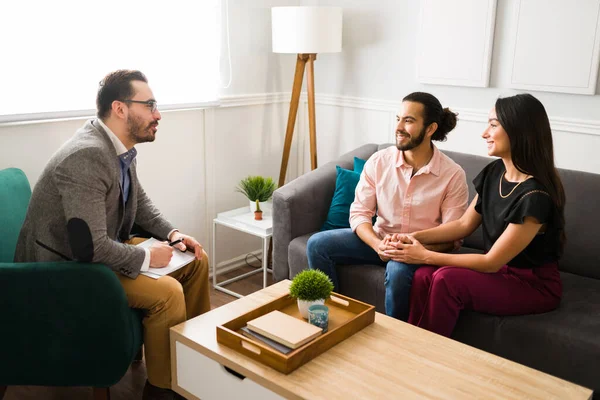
(339, 211)
(359, 164)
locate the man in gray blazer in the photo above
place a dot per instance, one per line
(86, 202)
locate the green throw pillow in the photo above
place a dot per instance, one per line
(339, 211)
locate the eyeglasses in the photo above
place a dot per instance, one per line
(151, 104)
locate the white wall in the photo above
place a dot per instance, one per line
(358, 90)
(377, 68)
(199, 156)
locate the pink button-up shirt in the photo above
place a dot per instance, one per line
(436, 194)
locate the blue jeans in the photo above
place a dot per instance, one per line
(342, 246)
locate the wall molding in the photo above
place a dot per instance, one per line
(242, 100)
(571, 125)
(582, 126)
(355, 102)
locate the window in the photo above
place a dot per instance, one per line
(54, 53)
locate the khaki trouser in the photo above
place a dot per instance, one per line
(169, 300)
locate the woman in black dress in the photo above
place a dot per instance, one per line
(520, 205)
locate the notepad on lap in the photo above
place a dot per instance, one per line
(284, 329)
(178, 260)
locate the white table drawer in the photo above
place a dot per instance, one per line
(207, 379)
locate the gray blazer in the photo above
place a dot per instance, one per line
(77, 210)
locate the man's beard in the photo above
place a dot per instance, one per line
(412, 143)
(139, 131)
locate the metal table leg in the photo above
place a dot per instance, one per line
(265, 262)
(213, 255)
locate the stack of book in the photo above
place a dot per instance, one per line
(281, 331)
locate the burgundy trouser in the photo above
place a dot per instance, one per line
(439, 294)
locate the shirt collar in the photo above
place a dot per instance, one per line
(433, 166)
(119, 146)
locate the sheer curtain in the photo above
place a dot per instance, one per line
(54, 53)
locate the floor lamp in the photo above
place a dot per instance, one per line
(304, 31)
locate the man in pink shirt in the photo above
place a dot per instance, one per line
(411, 187)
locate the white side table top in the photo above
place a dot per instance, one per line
(243, 220)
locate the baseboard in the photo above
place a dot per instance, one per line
(234, 263)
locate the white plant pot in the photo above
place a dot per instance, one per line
(265, 206)
(303, 306)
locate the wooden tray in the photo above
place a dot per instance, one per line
(346, 317)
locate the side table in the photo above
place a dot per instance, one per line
(242, 219)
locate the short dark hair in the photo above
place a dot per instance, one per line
(433, 112)
(116, 86)
(526, 123)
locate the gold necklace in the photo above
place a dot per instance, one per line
(513, 189)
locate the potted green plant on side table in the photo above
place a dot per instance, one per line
(258, 190)
(310, 287)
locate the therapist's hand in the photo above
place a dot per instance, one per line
(160, 254)
(188, 242)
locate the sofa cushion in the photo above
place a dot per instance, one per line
(563, 342)
(582, 223)
(297, 258)
(363, 282)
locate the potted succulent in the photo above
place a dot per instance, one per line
(258, 212)
(310, 287)
(258, 190)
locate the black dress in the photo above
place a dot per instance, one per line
(529, 198)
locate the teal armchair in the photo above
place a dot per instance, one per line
(63, 323)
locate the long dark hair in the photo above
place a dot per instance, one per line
(433, 112)
(524, 119)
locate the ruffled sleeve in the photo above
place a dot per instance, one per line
(535, 203)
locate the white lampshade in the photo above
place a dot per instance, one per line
(307, 29)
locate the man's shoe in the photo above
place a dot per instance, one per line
(152, 392)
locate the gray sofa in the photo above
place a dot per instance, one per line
(564, 342)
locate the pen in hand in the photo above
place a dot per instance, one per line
(173, 243)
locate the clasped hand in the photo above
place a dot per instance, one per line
(402, 248)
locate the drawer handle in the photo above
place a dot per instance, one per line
(339, 301)
(250, 347)
(232, 372)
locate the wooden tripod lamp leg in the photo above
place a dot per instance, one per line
(311, 110)
(289, 132)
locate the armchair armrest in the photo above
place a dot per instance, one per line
(300, 207)
(64, 323)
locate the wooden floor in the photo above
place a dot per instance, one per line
(131, 385)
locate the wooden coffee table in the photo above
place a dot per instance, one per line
(387, 359)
